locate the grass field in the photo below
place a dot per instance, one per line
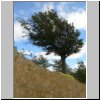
(32, 81)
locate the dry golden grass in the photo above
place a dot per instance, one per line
(32, 81)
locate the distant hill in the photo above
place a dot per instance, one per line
(32, 81)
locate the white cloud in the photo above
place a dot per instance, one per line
(80, 53)
(61, 9)
(51, 56)
(78, 18)
(51, 68)
(25, 52)
(18, 32)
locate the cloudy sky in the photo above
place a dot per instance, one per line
(72, 11)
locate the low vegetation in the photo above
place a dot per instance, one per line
(33, 81)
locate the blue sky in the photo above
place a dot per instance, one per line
(72, 11)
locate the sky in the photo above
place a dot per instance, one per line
(74, 12)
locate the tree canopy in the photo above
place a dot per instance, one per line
(53, 34)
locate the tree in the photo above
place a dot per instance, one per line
(80, 72)
(43, 62)
(58, 66)
(53, 34)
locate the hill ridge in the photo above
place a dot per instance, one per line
(32, 81)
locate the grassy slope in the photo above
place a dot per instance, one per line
(32, 81)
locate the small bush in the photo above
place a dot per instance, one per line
(80, 72)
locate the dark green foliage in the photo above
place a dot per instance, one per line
(53, 34)
(80, 72)
(43, 62)
(58, 67)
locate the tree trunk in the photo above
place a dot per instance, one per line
(63, 64)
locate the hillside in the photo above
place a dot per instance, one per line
(32, 81)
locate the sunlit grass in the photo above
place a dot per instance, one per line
(32, 81)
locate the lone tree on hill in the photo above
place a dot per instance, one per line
(54, 34)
